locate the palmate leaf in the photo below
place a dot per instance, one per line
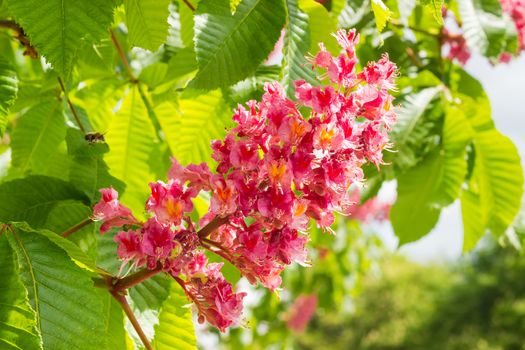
(190, 126)
(37, 135)
(55, 27)
(68, 309)
(485, 28)
(147, 22)
(295, 46)
(31, 199)
(131, 139)
(230, 47)
(17, 320)
(175, 328)
(8, 91)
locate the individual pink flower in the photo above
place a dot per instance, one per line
(157, 242)
(129, 247)
(224, 196)
(170, 201)
(111, 212)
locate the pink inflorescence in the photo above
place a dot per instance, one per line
(277, 170)
(516, 10)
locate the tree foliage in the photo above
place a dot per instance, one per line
(108, 91)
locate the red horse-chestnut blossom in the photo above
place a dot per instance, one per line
(277, 170)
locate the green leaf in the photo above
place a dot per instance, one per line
(497, 179)
(231, 47)
(68, 214)
(31, 199)
(192, 125)
(435, 6)
(186, 22)
(99, 99)
(321, 26)
(151, 293)
(353, 12)
(107, 252)
(8, 91)
(457, 133)
(295, 46)
(413, 127)
(17, 320)
(55, 27)
(175, 328)
(88, 171)
(131, 139)
(485, 28)
(473, 99)
(382, 14)
(147, 22)
(413, 215)
(68, 309)
(474, 219)
(252, 87)
(116, 335)
(37, 135)
(72, 250)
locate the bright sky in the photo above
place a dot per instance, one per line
(505, 86)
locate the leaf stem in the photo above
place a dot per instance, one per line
(76, 228)
(71, 107)
(135, 278)
(129, 313)
(123, 57)
(189, 4)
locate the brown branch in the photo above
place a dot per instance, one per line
(76, 228)
(123, 57)
(212, 226)
(189, 4)
(135, 278)
(129, 313)
(71, 107)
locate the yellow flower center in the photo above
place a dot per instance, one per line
(277, 170)
(174, 208)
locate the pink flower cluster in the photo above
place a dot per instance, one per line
(516, 10)
(277, 170)
(457, 47)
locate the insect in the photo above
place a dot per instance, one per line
(94, 137)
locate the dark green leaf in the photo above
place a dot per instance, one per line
(230, 47)
(31, 199)
(17, 319)
(68, 309)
